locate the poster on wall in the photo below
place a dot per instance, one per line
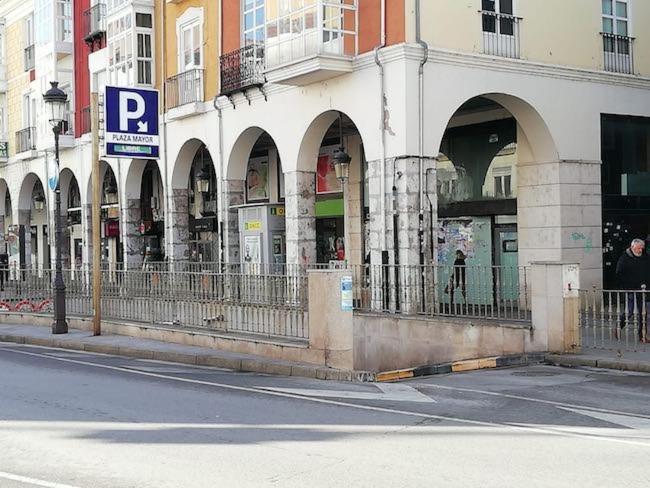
(326, 181)
(252, 249)
(257, 180)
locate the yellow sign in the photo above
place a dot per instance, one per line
(253, 225)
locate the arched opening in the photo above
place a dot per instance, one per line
(32, 237)
(202, 208)
(485, 143)
(72, 244)
(6, 223)
(110, 217)
(152, 213)
(341, 207)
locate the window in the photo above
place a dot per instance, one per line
(253, 21)
(144, 59)
(130, 50)
(63, 20)
(616, 17)
(190, 49)
(500, 21)
(29, 31)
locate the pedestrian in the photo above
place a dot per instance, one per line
(457, 279)
(632, 274)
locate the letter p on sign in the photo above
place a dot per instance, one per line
(125, 113)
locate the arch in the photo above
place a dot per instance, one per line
(67, 182)
(26, 189)
(534, 138)
(133, 180)
(183, 163)
(105, 170)
(240, 153)
(313, 138)
(4, 193)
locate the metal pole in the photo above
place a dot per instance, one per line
(96, 216)
(59, 326)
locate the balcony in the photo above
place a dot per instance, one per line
(26, 140)
(184, 94)
(618, 53)
(501, 34)
(242, 69)
(312, 43)
(93, 23)
(30, 60)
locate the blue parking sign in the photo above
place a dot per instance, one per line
(131, 122)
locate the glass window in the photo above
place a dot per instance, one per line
(253, 15)
(143, 20)
(190, 46)
(615, 17)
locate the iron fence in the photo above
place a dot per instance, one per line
(484, 292)
(184, 88)
(242, 69)
(614, 319)
(501, 34)
(618, 53)
(26, 139)
(266, 304)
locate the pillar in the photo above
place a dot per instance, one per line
(559, 208)
(179, 222)
(300, 201)
(87, 234)
(24, 219)
(132, 237)
(233, 195)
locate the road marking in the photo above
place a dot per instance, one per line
(632, 422)
(390, 392)
(482, 423)
(33, 481)
(534, 400)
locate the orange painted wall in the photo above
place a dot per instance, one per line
(231, 25)
(370, 18)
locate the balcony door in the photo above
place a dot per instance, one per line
(616, 36)
(499, 28)
(190, 61)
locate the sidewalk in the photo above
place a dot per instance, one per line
(604, 358)
(164, 351)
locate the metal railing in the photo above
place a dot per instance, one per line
(30, 60)
(26, 139)
(322, 27)
(614, 319)
(94, 21)
(260, 304)
(484, 292)
(501, 34)
(184, 88)
(85, 120)
(618, 53)
(242, 69)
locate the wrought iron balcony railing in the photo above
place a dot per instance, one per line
(242, 69)
(30, 60)
(618, 52)
(184, 88)
(500, 34)
(94, 22)
(26, 139)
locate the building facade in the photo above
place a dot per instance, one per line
(493, 127)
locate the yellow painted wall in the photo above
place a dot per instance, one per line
(562, 32)
(210, 41)
(17, 81)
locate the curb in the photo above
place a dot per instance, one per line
(617, 364)
(247, 364)
(461, 366)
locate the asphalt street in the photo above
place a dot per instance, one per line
(77, 420)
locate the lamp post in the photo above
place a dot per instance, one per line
(56, 99)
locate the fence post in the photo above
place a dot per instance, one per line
(555, 306)
(330, 316)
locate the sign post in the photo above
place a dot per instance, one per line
(131, 122)
(96, 216)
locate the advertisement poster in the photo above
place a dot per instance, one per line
(326, 181)
(346, 294)
(257, 180)
(252, 249)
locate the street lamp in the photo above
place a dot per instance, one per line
(110, 192)
(56, 100)
(341, 158)
(39, 202)
(203, 181)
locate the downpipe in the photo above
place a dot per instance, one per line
(382, 122)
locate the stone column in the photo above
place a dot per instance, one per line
(179, 222)
(300, 200)
(233, 195)
(3, 231)
(25, 219)
(354, 251)
(131, 236)
(559, 215)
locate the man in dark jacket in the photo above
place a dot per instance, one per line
(633, 272)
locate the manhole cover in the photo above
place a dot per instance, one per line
(535, 373)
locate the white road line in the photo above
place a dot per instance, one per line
(528, 399)
(33, 481)
(323, 401)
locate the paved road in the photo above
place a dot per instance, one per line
(83, 420)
